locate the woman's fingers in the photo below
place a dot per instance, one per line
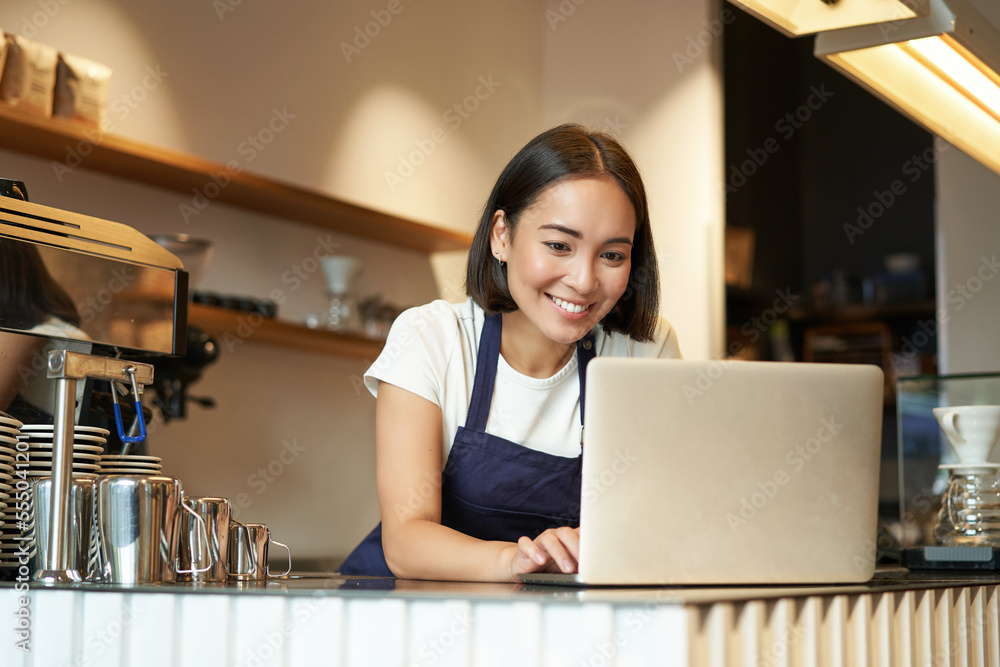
(557, 546)
(530, 551)
(563, 547)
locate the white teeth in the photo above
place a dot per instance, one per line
(569, 307)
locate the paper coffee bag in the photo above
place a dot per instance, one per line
(29, 75)
(81, 90)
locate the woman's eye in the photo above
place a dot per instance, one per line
(557, 246)
(616, 257)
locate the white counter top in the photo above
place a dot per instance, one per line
(898, 617)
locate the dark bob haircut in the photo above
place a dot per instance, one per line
(28, 292)
(565, 153)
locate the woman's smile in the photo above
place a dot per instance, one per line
(570, 309)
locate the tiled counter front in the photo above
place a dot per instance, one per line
(899, 620)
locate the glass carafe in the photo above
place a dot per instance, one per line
(343, 314)
(970, 508)
(340, 272)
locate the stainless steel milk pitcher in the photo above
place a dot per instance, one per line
(248, 544)
(137, 516)
(80, 516)
(216, 514)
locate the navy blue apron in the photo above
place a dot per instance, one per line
(492, 488)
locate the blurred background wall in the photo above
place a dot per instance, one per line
(355, 88)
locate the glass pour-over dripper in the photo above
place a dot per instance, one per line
(340, 272)
(970, 507)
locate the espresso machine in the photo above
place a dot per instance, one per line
(89, 311)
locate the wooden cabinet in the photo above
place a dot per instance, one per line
(851, 343)
(892, 336)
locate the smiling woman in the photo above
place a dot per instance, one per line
(478, 411)
(558, 157)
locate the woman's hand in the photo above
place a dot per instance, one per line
(555, 550)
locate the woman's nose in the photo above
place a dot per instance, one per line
(582, 277)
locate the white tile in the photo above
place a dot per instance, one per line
(507, 633)
(148, 622)
(376, 632)
(440, 633)
(577, 634)
(260, 631)
(10, 603)
(106, 616)
(54, 630)
(202, 635)
(317, 636)
(651, 630)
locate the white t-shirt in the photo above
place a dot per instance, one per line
(54, 326)
(431, 351)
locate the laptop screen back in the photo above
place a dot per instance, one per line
(729, 472)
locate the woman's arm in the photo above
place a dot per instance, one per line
(408, 475)
(16, 364)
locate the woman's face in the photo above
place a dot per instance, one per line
(568, 262)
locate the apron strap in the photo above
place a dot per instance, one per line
(486, 373)
(486, 370)
(586, 349)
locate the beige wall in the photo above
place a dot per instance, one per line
(223, 73)
(968, 273)
(354, 121)
(650, 73)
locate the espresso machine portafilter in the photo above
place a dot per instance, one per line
(81, 300)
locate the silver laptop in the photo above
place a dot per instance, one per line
(716, 472)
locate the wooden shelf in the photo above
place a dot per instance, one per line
(55, 138)
(232, 328)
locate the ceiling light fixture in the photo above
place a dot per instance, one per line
(804, 17)
(940, 70)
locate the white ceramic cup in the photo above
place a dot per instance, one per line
(972, 430)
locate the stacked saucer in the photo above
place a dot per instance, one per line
(130, 464)
(34, 461)
(10, 543)
(88, 445)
